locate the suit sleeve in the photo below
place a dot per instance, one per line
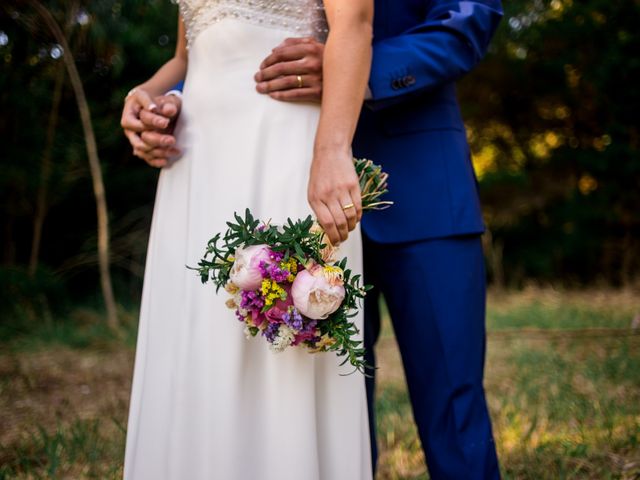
(178, 87)
(452, 39)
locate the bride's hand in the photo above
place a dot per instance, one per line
(147, 124)
(334, 192)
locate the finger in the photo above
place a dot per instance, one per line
(130, 119)
(289, 82)
(312, 94)
(169, 109)
(356, 199)
(151, 160)
(157, 139)
(160, 153)
(326, 221)
(154, 120)
(163, 153)
(141, 97)
(279, 70)
(133, 105)
(303, 64)
(135, 140)
(296, 41)
(350, 213)
(287, 53)
(340, 219)
(169, 105)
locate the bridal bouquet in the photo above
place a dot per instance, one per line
(284, 283)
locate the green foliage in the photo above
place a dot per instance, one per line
(293, 238)
(373, 184)
(117, 44)
(552, 116)
(554, 128)
(302, 240)
(30, 297)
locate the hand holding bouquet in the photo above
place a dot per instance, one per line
(284, 283)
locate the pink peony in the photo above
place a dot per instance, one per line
(318, 292)
(245, 272)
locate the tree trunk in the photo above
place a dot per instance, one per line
(45, 171)
(94, 163)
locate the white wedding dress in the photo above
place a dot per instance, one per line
(206, 402)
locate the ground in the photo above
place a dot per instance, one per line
(562, 381)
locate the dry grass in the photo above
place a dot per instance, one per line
(563, 406)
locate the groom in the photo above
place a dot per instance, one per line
(424, 254)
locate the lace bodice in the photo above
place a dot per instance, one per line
(300, 17)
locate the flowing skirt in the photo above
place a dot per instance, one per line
(206, 402)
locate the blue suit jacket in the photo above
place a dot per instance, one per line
(412, 125)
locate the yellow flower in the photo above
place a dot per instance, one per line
(321, 345)
(334, 275)
(266, 286)
(271, 291)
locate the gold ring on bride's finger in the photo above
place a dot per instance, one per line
(347, 207)
(299, 77)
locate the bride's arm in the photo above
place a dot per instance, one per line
(171, 72)
(141, 98)
(333, 183)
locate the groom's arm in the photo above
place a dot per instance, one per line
(453, 38)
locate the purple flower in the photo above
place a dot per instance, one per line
(293, 318)
(251, 300)
(276, 256)
(271, 332)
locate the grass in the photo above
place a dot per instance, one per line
(564, 404)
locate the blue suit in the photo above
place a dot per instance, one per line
(424, 254)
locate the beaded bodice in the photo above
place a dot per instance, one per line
(300, 17)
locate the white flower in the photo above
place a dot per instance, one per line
(247, 332)
(245, 272)
(284, 339)
(318, 291)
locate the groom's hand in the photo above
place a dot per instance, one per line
(293, 71)
(148, 124)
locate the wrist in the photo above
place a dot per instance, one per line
(333, 150)
(149, 90)
(333, 147)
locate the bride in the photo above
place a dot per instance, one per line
(206, 402)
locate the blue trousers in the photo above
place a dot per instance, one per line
(435, 291)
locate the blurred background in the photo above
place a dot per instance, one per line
(552, 117)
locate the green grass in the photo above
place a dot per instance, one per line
(539, 315)
(564, 405)
(75, 449)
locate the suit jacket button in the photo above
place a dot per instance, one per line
(409, 80)
(396, 84)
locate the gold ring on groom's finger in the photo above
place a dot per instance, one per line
(299, 77)
(347, 207)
